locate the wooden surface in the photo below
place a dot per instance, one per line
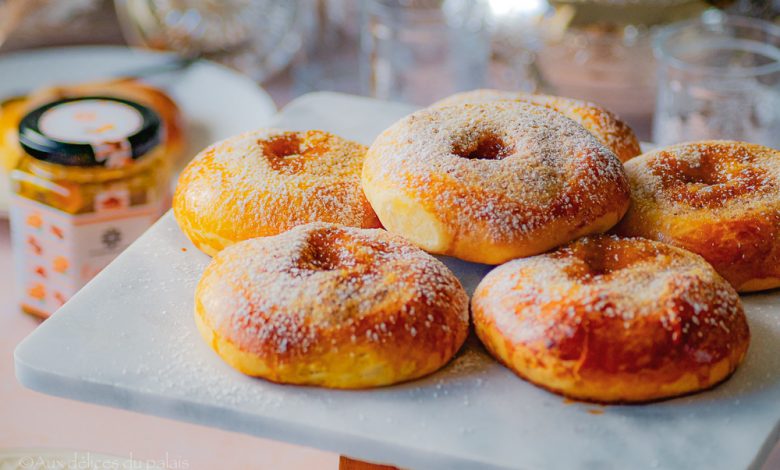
(345, 463)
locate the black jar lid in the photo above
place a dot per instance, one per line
(94, 131)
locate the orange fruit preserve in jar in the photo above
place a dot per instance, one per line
(94, 176)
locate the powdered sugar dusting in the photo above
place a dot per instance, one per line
(627, 280)
(720, 177)
(549, 168)
(269, 180)
(288, 289)
(603, 124)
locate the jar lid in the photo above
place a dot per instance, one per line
(90, 131)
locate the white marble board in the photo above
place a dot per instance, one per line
(128, 340)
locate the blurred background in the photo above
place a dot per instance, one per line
(406, 50)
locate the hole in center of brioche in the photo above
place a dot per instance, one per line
(283, 152)
(704, 175)
(283, 145)
(489, 146)
(601, 258)
(708, 178)
(325, 251)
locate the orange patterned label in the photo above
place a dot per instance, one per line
(56, 253)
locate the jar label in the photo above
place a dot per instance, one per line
(90, 121)
(57, 253)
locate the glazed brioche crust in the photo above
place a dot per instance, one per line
(720, 199)
(615, 134)
(331, 306)
(607, 319)
(267, 181)
(492, 182)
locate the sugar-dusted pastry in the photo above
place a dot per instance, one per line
(332, 306)
(611, 319)
(720, 199)
(615, 134)
(494, 181)
(264, 182)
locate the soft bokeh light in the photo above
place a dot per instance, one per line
(514, 7)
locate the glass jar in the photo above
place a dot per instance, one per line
(419, 51)
(718, 78)
(94, 176)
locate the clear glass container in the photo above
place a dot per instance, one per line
(718, 78)
(418, 51)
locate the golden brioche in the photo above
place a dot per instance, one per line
(720, 199)
(331, 306)
(264, 182)
(611, 319)
(492, 182)
(615, 134)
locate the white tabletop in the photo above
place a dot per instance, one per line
(127, 340)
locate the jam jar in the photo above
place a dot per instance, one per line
(94, 176)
